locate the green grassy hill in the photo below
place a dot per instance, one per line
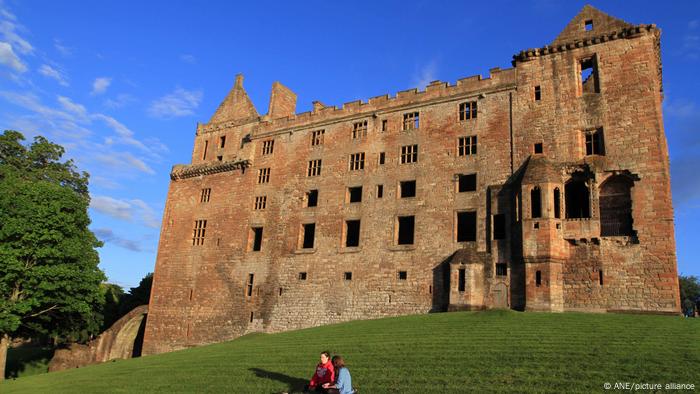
(496, 351)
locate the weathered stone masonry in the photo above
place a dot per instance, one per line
(570, 207)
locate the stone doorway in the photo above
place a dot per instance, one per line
(500, 296)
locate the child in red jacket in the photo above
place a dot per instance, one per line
(325, 373)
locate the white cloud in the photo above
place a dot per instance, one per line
(425, 75)
(100, 85)
(70, 106)
(7, 15)
(693, 24)
(7, 30)
(10, 59)
(120, 101)
(106, 235)
(52, 73)
(187, 58)
(128, 210)
(180, 102)
(119, 160)
(62, 49)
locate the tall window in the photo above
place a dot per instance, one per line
(409, 154)
(466, 226)
(466, 145)
(267, 147)
(352, 233)
(536, 202)
(222, 141)
(314, 168)
(206, 194)
(256, 234)
(249, 285)
(357, 161)
(312, 198)
(588, 79)
(616, 207)
(317, 137)
(411, 121)
(260, 203)
(577, 198)
(594, 143)
(405, 230)
(206, 145)
(467, 110)
(309, 234)
(359, 129)
(263, 175)
(557, 203)
(200, 228)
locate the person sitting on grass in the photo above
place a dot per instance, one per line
(343, 383)
(325, 374)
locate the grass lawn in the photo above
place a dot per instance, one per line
(27, 360)
(494, 351)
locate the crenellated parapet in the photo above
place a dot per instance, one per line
(183, 171)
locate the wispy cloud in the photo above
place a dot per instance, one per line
(691, 40)
(106, 235)
(128, 210)
(10, 59)
(62, 49)
(424, 75)
(122, 100)
(100, 85)
(187, 58)
(53, 73)
(119, 160)
(180, 102)
(78, 109)
(8, 31)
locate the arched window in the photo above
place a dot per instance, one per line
(557, 203)
(616, 207)
(577, 200)
(536, 202)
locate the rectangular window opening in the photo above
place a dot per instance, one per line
(206, 194)
(403, 275)
(260, 203)
(466, 226)
(352, 233)
(411, 121)
(408, 189)
(538, 278)
(466, 183)
(384, 125)
(409, 154)
(222, 141)
(357, 161)
(314, 168)
(200, 228)
(467, 110)
(263, 175)
(206, 146)
(355, 194)
(257, 233)
(382, 158)
(588, 25)
(406, 230)
(249, 285)
(501, 269)
(317, 137)
(302, 276)
(466, 146)
(538, 93)
(600, 277)
(309, 234)
(594, 143)
(268, 147)
(380, 191)
(462, 282)
(499, 226)
(538, 148)
(359, 130)
(589, 75)
(312, 198)
(347, 276)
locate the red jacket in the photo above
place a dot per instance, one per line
(324, 374)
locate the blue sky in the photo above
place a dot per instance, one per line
(123, 84)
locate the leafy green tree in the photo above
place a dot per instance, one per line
(113, 296)
(690, 291)
(49, 279)
(137, 296)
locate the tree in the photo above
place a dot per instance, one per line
(113, 296)
(137, 296)
(49, 279)
(690, 291)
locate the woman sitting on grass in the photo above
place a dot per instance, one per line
(343, 383)
(325, 374)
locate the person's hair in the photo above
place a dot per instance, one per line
(338, 362)
(325, 352)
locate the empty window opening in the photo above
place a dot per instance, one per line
(206, 145)
(577, 200)
(355, 194)
(352, 233)
(408, 189)
(380, 191)
(382, 158)
(538, 148)
(347, 276)
(538, 278)
(501, 269)
(251, 317)
(384, 125)
(257, 233)
(616, 207)
(312, 198)
(466, 183)
(536, 202)
(206, 194)
(357, 161)
(466, 146)
(263, 175)
(538, 93)
(406, 230)
(191, 294)
(462, 282)
(536, 225)
(600, 277)
(219, 158)
(409, 154)
(200, 228)
(280, 291)
(499, 226)
(403, 275)
(594, 143)
(249, 285)
(260, 203)
(268, 147)
(557, 203)
(589, 75)
(309, 234)
(467, 110)
(302, 276)
(222, 141)
(466, 226)
(359, 130)
(317, 137)
(411, 121)
(314, 168)
(588, 25)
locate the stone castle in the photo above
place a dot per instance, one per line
(544, 187)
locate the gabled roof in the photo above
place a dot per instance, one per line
(601, 23)
(236, 105)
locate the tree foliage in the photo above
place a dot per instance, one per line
(49, 278)
(690, 291)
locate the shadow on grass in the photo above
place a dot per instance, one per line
(294, 384)
(27, 360)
